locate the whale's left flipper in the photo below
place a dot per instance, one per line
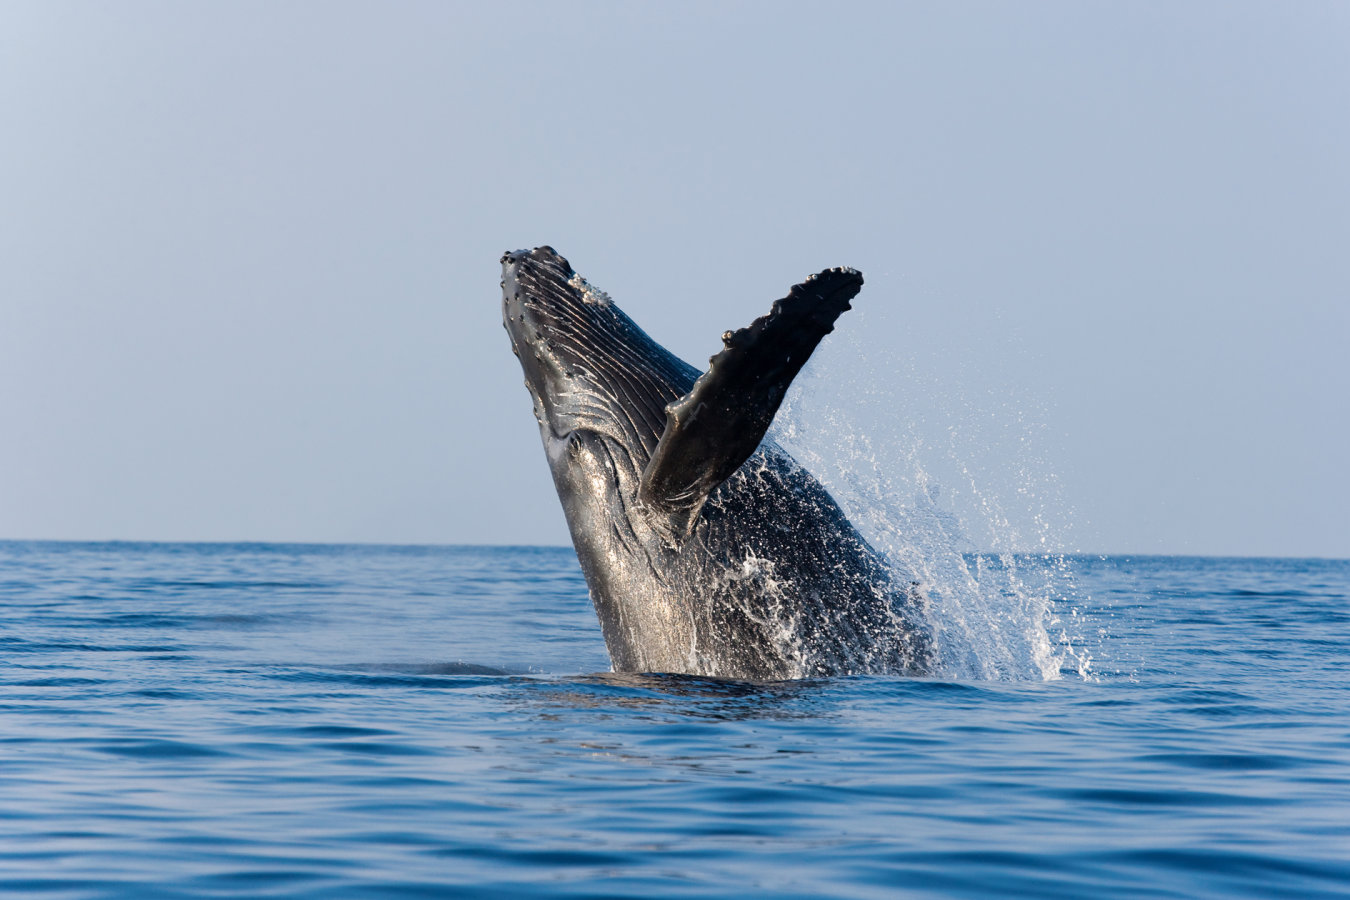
(715, 427)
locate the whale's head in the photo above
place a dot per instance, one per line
(592, 372)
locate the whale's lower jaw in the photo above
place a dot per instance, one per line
(587, 364)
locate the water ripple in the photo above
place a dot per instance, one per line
(320, 722)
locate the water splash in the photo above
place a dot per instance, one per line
(1005, 610)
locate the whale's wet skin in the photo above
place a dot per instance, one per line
(707, 549)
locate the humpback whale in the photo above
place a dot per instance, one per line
(707, 549)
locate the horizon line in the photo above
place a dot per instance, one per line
(504, 546)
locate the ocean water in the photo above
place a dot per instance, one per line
(261, 720)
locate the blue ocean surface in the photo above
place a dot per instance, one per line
(298, 721)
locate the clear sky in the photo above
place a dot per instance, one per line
(249, 253)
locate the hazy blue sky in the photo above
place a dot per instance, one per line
(250, 254)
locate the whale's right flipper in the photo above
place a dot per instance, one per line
(715, 427)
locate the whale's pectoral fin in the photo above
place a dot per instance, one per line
(716, 426)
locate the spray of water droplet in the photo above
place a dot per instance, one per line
(1004, 603)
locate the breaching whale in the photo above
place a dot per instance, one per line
(707, 549)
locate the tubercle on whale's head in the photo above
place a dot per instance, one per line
(592, 372)
(522, 271)
(555, 319)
